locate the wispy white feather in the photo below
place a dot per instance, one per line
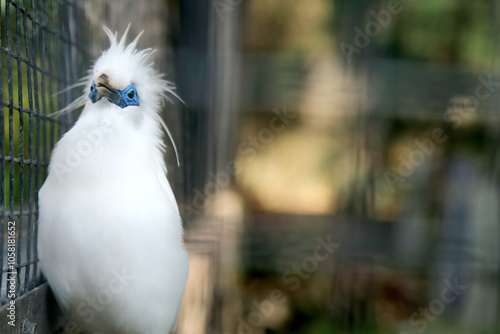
(107, 213)
(160, 88)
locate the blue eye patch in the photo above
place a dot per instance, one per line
(122, 98)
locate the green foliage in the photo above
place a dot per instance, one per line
(29, 127)
(447, 31)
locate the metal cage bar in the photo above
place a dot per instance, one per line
(41, 53)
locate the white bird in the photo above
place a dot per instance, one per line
(110, 237)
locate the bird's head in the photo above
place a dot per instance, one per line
(124, 77)
(123, 83)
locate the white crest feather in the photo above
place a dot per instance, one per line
(158, 89)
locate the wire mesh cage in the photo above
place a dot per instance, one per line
(41, 53)
(316, 210)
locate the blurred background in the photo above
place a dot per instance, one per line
(370, 126)
(339, 159)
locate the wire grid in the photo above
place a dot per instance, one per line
(40, 55)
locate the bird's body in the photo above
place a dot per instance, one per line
(110, 235)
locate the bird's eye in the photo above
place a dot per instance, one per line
(91, 88)
(131, 94)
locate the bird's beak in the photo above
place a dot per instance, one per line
(103, 86)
